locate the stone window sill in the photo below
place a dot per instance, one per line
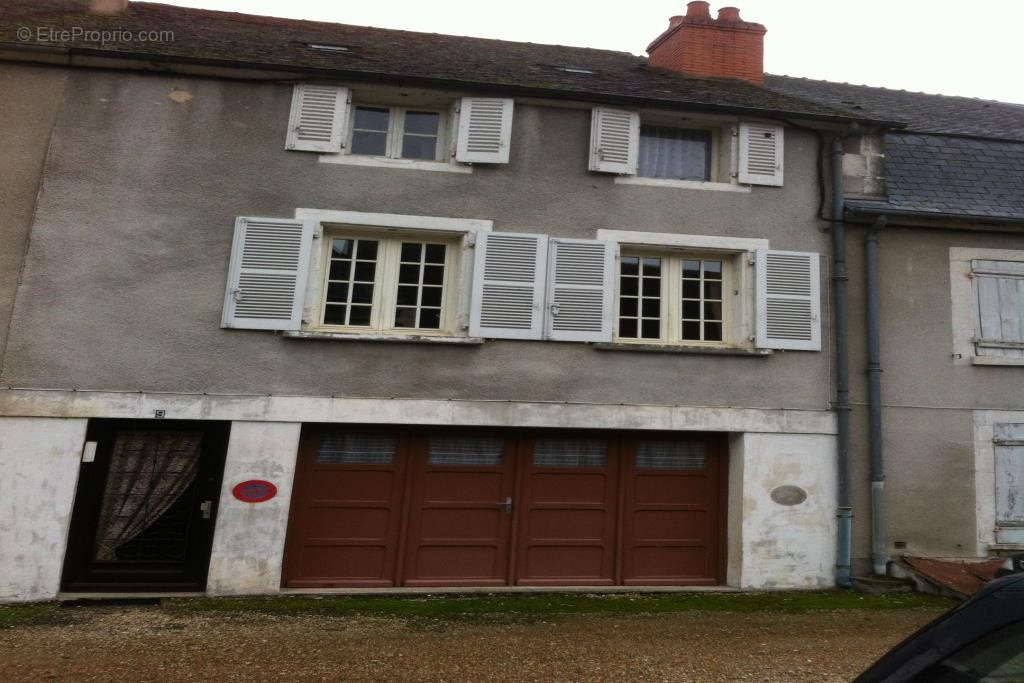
(996, 360)
(666, 348)
(384, 162)
(682, 184)
(393, 338)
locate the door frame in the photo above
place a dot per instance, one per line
(76, 573)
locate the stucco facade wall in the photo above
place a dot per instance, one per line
(929, 396)
(28, 109)
(39, 461)
(124, 288)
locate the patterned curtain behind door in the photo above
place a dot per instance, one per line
(148, 472)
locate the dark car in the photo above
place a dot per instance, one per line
(981, 640)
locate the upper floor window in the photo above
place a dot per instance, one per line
(672, 299)
(397, 132)
(675, 153)
(386, 284)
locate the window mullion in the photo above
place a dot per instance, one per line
(386, 286)
(395, 127)
(673, 300)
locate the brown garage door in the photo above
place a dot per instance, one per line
(403, 506)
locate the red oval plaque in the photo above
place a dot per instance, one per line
(254, 491)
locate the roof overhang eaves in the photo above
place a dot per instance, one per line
(873, 210)
(152, 61)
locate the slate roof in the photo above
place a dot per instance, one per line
(920, 112)
(204, 36)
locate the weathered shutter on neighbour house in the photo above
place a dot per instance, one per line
(614, 140)
(1000, 290)
(485, 130)
(318, 118)
(1008, 443)
(267, 274)
(508, 286)
(788, 300)
(579, 291)
(761, 152)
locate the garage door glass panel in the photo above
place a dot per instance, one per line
(670, 455)
(356, 449)
(566, 453)
(466, 451)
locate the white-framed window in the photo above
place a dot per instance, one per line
(414, 133)
(987, 294)
(387, 283)
(666, 298)
(677, 153)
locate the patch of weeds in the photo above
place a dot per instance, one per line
(513, 608)
(32, 614)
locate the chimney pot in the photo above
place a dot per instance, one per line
(107, 6)
(729, 14)
(698, 9)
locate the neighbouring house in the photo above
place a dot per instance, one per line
(296, 305)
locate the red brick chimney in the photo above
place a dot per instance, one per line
(696, 44)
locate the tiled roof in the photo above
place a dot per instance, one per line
(206, 36)
(956, 176)
(921, 112)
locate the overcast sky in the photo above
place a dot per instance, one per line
(939, 46)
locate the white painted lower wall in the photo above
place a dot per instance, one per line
(248, 542)
(774, 546)
(39, 463)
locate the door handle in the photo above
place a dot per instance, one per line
(507, 505)
(205, 507)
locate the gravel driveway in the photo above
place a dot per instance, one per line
(161, 644)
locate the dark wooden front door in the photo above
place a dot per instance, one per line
(567, 506)
(145, 507)
(461, 511)
(672, 520)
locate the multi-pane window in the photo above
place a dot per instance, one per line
(672, 299)
(674, 153)
(386, 284)
(396, 132)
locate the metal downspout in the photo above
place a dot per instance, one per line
(879, 558)
(844, 511)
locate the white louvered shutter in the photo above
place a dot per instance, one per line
(788, 300)
(485, 130)
(318, 118)
(1000, 288)
(579, 291)
(508, 286)
(614, 140)
(761, 149)
(267, 275)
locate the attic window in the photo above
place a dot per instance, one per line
(575, 70)
(327, 48)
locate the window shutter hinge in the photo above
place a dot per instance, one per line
(751, 260)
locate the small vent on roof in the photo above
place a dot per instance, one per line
(574, 70)
(327, 48)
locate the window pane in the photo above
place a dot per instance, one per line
(337, 292)
(431, 296)
(435, 253)
(691, 309)
(651, 329)
(409, 274)
(628, 306)
(691, 330)
(372, 118)
(652, 308)
(334, 315)
(341, 248)
(422, 122)
(712, 270)
(569, 453)
(360, 315)
(627, 328)
(367, 250)
(365, 271)
(430, 318)
(712, 290)
(713, 331)
(670, 455)
(691, 269)
(362, 294)
(629, 286)
(411, 252)
(374, 144)
(652, 286)
(356, 449)
(712, 310)
(407, 296)
(630, 265)
(652, 267)
(418, 147)
(691, 289)
(454, 450)
(433, 275)
(340, 270)
(405, 317)
(674, 153)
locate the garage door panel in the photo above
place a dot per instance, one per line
(673, 525)
(667, 489)
(349, 523)
(352, 485)
(454, 562)
(454, 523)
(557, 523)
(471, 486)
(577, 562)
(353, 562)
(568, 487)
(671, 563)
